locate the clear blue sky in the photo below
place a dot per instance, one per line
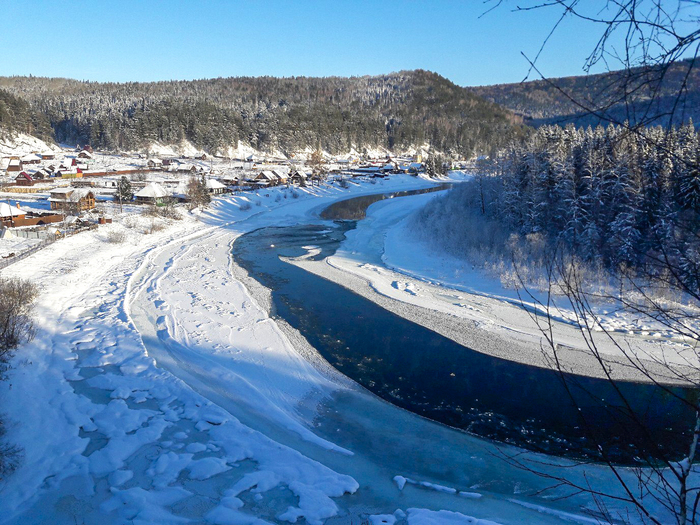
(143, 40)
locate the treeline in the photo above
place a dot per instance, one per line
(16, 116)
(394, 111)
(640, 96)
(610, 197)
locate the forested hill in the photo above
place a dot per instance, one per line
(16, 115)
(394, 111)
(655, 96)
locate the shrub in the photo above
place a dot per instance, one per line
(116, 236)
(16, 324)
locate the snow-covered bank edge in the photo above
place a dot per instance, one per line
(418, 279)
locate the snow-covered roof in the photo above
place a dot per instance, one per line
(69, 194)
(152, 191)
(32, 157)
(214, 185)
(10, 211)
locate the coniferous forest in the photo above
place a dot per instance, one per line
(611, 197)
(396, 111)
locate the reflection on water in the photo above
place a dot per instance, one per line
(428, 374)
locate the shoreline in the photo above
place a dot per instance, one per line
(468, 333)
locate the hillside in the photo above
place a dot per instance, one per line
(396, 111)
(655, 96)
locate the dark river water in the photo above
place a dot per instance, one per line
(430, 375)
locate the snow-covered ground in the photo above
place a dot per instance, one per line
(383, 252)
(159, 390)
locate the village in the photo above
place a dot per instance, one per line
(47, 195)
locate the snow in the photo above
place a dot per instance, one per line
(383, 252)
(152, 191)
(21, 144)
(159, 389)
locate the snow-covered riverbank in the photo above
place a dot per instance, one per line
(158, 389)
(407, 277)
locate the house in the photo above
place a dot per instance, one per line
(152, 193)
(9, 213)
(41, 174)
(69, 174)
(48, 156)
(215, 187)
(298, 177)
(203, 156)
(85, 155)
(32, 158)
(72, 200)
(155, 163)
(88, 148)
(24, 179)
(281, 176)
(14, 165)
(267, 178)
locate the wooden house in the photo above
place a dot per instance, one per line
(72, 200)
(152, 193)
(48, 156)
(10, 213)
(298, 177)
(24, 179)
(14, 165)
(266, 178)
(32, 158)
(154, 163)
(215, 187)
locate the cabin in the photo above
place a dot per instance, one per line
(203, 156)
(152, 193)
(215, 187)
(24, 179)
(298, 177)
(41, 174)
(32, 158)
(48, 156)
(154, 163)
(266, 178)
(282, 177)
(14, 165)
(88, 148)
(85, 155)
(72, 200)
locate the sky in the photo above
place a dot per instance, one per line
(147, 40)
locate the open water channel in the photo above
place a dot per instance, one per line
(421, 371)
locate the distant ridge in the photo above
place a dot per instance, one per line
(396, 112)
(660, 97)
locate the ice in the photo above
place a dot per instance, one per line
(443, 517)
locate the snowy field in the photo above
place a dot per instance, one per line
(159, 390)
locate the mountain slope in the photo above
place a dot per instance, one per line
(395, 111)
(656, 94)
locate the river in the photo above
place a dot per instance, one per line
(421, 371)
